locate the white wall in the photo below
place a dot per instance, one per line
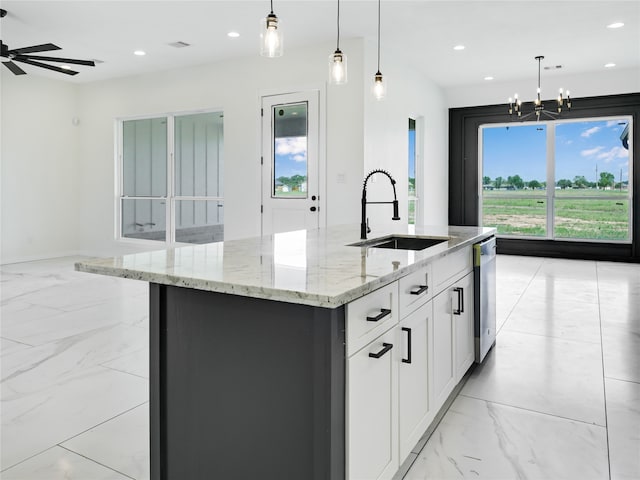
(608, 82)
(79, 161)
(234, 87)
(409, 94)
(39, 157)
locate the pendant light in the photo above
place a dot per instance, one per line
(338, 61)
(270, 36)
(379, 88)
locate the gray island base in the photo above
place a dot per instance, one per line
(244, 388)
(298, 356)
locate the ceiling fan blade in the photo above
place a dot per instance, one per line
(48, 67)
(89, 63)
(14, 68)
(45, 47)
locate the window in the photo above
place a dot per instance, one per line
(412, 197)
(558, 180)
(172, 201)
(290, 169)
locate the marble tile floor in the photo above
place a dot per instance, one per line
(558, 398)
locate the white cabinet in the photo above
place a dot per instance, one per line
(408, 345)
(453, 336)
(442, 381)
(463, 325)
(415, 412)
(370, 316)
(415, 290)
(372, 410)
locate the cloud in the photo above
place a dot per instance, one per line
(591, 151)
(587, 133)
(613, 153)
(296, 146)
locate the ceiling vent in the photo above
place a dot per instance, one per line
(179, 44)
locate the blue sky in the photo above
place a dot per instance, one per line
(291, 156)
(580, 147)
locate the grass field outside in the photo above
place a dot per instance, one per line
(589, 214)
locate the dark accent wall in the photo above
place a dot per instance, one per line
(463, 176)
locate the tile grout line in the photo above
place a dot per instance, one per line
(95, 461)
(604, 383)
(101, 423)
(519, 298)
(534, 411)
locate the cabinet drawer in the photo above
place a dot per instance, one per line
(450, 268)
(415, 290)
(370, 316)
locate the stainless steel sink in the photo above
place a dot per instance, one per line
(397, 242)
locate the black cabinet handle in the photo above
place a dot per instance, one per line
(385, 349)
(383, 313)
(460, 292)
(313, 209)
(408, 359)
(421, 289)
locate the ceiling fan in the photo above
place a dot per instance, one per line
(23, 55)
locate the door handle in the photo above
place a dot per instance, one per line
(385, 349)
(408, 359)
(460, 292)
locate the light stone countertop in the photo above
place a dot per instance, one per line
(310, 267)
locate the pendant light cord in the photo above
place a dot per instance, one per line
(271, 7)
(338, 22)
(378, 35)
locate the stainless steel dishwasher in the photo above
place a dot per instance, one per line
(484, 273)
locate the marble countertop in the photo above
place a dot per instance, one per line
(312, 267)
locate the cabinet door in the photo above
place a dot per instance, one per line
(415, 413)
(463, 322)
(442, 344)
(372, 410)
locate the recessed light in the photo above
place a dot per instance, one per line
(609, 65)
(459, 47)
(615, 25)
(233, 34)
(140, 53)
(488, 78)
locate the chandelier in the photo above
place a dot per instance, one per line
(515, 104)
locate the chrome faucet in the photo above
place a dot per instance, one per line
(364, 224)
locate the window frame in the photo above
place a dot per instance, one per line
(550, 196)
(170, 198)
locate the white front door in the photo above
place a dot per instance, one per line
(290, 158)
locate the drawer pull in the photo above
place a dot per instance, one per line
(420, 290)
(408, 359)
(460, 292)
(387, 347)
(383, 313)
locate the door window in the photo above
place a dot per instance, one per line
(289, 162)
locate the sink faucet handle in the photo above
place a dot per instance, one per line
(396, 214)
(368, 229)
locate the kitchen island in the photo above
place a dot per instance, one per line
(298, 355)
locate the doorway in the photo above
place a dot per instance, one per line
(290, 162)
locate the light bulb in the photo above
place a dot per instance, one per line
(337, 68)
(271, 41)
(378, 87)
